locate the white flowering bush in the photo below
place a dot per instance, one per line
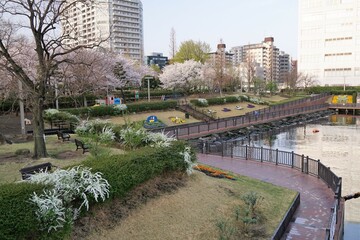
(55, 206)
(118, 109)
(50, 112)
(83, 128)
(107, 135)
(54, 114)
(159, 139)
(134, 136)
(187, 159)
(102, 129)
(203, 102)
(51, 210)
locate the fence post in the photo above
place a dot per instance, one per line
(261, 154)
(177, 133)
(222, 148)
(318, 168)
(340, 188)
(246, 152)
(307, 164)
(292, 159)
(232, 149)
(277, 156)
(302, 163)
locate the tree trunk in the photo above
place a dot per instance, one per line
(85, 101)
(38, 123)
(123, 95)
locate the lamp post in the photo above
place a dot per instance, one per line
(344, 83)
(148, 82)
(21, 105)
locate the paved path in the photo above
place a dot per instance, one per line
(316, 199)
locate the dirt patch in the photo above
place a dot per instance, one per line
(13, 158)
(69, 154)
(106, 216)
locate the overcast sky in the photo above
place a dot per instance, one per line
(237, 22)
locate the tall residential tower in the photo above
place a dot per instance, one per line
(329, 41)
(118, 21)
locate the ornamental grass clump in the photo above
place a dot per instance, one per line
(70, 190)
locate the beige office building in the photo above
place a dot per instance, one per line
(329, 41)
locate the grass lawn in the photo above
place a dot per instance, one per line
(232, 106)
(193, 211)
(164, 116)
(61, 154)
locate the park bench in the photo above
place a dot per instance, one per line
(63, 136)
(28, 171)
(81, 145)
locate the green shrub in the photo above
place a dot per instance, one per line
(216, 101)
(232, 99)
(100, 111)
(124, 172)
(17, 214)
(148, 106)
(201, 102)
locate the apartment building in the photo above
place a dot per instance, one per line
(264, 55)
(118, 22)
(285, 67)
(329, 41)
(221, 56)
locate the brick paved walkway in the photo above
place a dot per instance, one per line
(316, 199)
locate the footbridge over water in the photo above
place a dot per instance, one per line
(273, 113)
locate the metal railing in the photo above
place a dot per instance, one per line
(299, 162)
(300, 106)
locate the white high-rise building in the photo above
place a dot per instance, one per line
(329, 41)
(120, 22)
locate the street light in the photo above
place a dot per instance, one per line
(148, 82)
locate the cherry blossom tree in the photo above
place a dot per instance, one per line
(186, 76)
(40, 21)
(127, 72)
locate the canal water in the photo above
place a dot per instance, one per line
(336, 142)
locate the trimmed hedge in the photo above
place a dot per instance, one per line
(339, 90)
(17, 214)
(216, 101)
(124, 172)
(101, 111)
(147, 106)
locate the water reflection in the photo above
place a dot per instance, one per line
(336, 142)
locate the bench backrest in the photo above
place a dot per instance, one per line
(26, 172)
(79, 143)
